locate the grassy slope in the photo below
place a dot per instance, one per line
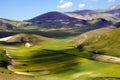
(86, 36)
(107, 43)
(58, 58)
(51, 56)
(108, 17)
(8, 75)
(79, 40)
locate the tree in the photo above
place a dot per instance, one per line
(4, 59)
(117, 24)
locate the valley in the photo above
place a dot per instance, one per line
(57, 59)
(78, 45)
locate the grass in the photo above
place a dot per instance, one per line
(59, 59)
(90, 34)
(8, 75)
(87, 70)
(107, 43)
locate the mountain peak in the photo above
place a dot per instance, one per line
(51, 16)
(114, 7)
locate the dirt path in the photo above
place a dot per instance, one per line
(6, 38)
(106, 58)
(22, 73)
(15, 63)
(78, 75)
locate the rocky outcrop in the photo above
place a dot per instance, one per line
(28, 45)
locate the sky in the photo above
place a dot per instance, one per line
(27, 9)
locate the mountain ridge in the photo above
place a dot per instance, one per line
(75, 19)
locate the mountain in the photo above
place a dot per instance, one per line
(91, 19)
(114, 7)
(85, 12)
(51, 16)
(111, 14)
(70, 20)
(81, 14)
(100, 22)
(4, 24)
(57, 20)
(115, 12)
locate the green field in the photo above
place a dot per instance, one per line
(107, 43)
(60, 59)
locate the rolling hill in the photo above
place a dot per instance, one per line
(6, 24)
(60, 58)
(23, 38)
(107, 43)
(90, 34)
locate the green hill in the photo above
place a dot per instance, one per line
(22, 38)
(60, 59)
(90, 34)
(107, 43)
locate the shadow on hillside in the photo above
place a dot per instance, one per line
(51, 34)
(57, 61)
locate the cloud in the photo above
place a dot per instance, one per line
(61, 1)
(65, 5)
(111, 0)
(82, 5)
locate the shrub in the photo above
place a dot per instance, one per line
(117, 25)
(4, 59)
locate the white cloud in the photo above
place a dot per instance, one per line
(111, 0)
(61, 1)
(65, 5)
(82, 5)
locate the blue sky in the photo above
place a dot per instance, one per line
(27, 9)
